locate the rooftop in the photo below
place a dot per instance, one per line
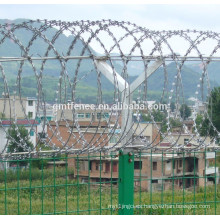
(24, 122)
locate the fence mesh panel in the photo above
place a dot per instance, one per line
(164, 183)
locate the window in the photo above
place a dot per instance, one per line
(186, 140)
(80, 115)
(98, 115)
(115, 167)
(154, 165)
(106, 115)
(98, 166)
(168, 166)
(81, 165)
(180, 163)
(30, 102)
(107, 167)
(31, 132)
(154, 181)
(88, 115)
(113, 140)
(30, 114)
(137, 165)
(90, 165)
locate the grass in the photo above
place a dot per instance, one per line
(56, 191)
(53, 196)
(60, 194)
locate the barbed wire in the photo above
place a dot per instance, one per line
(77, 51)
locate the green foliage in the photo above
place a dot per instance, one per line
(18, 138)
(204, 125)
(69, 195)
(160, 116)
(172, 106)
(39, 163)
(175, 123)
(87, 92)
(185, 111)
(157, 115)
(2, 115)
(214, 109)
(213, 69)
(32, 173)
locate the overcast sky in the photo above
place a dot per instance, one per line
(203, 17)
(156, 17)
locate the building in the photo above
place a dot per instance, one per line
(14, 107)
(85, 112)
(164, 171)
(106, 168)
(199, 106)
(184, 139)
(153, 172)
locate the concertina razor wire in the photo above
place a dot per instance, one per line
(72, 48)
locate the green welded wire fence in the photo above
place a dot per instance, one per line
(141, 182)
(178, 183)
(51, 185)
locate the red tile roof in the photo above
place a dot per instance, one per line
(165, 144)
(20, 122)
(81, 123)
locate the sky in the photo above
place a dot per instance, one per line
(157, 17)
(152, 16)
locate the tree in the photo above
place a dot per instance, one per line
(2, 115)
(18, 139)
(158, 117)
(161, 117)
(185, 111)
(213, 114)
(175, 123)
(204, 125)
(172, 106)
(214, 110)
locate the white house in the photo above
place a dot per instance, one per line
(14, 107)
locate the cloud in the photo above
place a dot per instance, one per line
(156, 17)
(176, 16)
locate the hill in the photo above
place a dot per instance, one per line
(213, 70)
(86, 76)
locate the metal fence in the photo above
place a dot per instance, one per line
(82, 172)
(143, 182)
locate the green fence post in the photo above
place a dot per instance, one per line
(126, 183)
